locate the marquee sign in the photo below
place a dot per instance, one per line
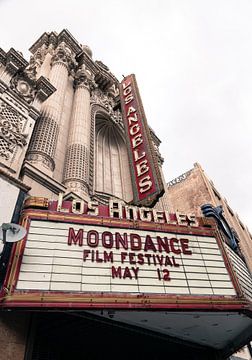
(146, 179)
(91, 257)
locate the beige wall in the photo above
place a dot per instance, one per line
(194, 190)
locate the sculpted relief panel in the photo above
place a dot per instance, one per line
(14, 133)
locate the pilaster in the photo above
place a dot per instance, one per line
(44, 142)
(76, 174)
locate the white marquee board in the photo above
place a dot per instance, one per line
(49, 263)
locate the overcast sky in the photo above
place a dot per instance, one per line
(193, 63)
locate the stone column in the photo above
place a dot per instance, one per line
(44, 141)
(76, 174)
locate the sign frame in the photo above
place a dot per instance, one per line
(10, 297)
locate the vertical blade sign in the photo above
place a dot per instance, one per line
(145, 174)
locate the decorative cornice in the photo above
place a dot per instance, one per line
(43, 39)
(44, 88)
(103, 77)
(14, 61)
(68, 39)
(56, 39)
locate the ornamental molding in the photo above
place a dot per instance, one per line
(77, 186)
(84, 79)
(102, 76)
(63, 55)
(49, 41)
(54, 39)
(11, 127)
(13, 61)
(67, 38)
(27, 89)
(23, 87)
(35, 157)
(108, 103)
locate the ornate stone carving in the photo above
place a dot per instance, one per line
(83, 78)
(63, 55)
(23, 88)
(77, 186)
(108, 102)
(11, 125)
(36, 61)
(44, 159)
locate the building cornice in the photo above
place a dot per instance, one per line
(43, 179)
(20, 184)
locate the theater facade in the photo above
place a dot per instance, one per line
(104, 260)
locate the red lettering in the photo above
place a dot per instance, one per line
(135, 242)
(72, 238)
(127, 273)
(163, 244)
(123, 256)
(92, 238)
(108, 257)
(184, 246)
(135, 271)
(107, 239)
(166, 276)
(85, 254)
(119, 240)
(132, 258)
(174, 241)
(149, 245)
(140, 259)
(116, 272)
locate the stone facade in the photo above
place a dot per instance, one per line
(61, 131)
(78, 143)
(192, 189)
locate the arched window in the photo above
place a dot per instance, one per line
(112, 172)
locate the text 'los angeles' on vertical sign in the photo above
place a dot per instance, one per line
(145, 174)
